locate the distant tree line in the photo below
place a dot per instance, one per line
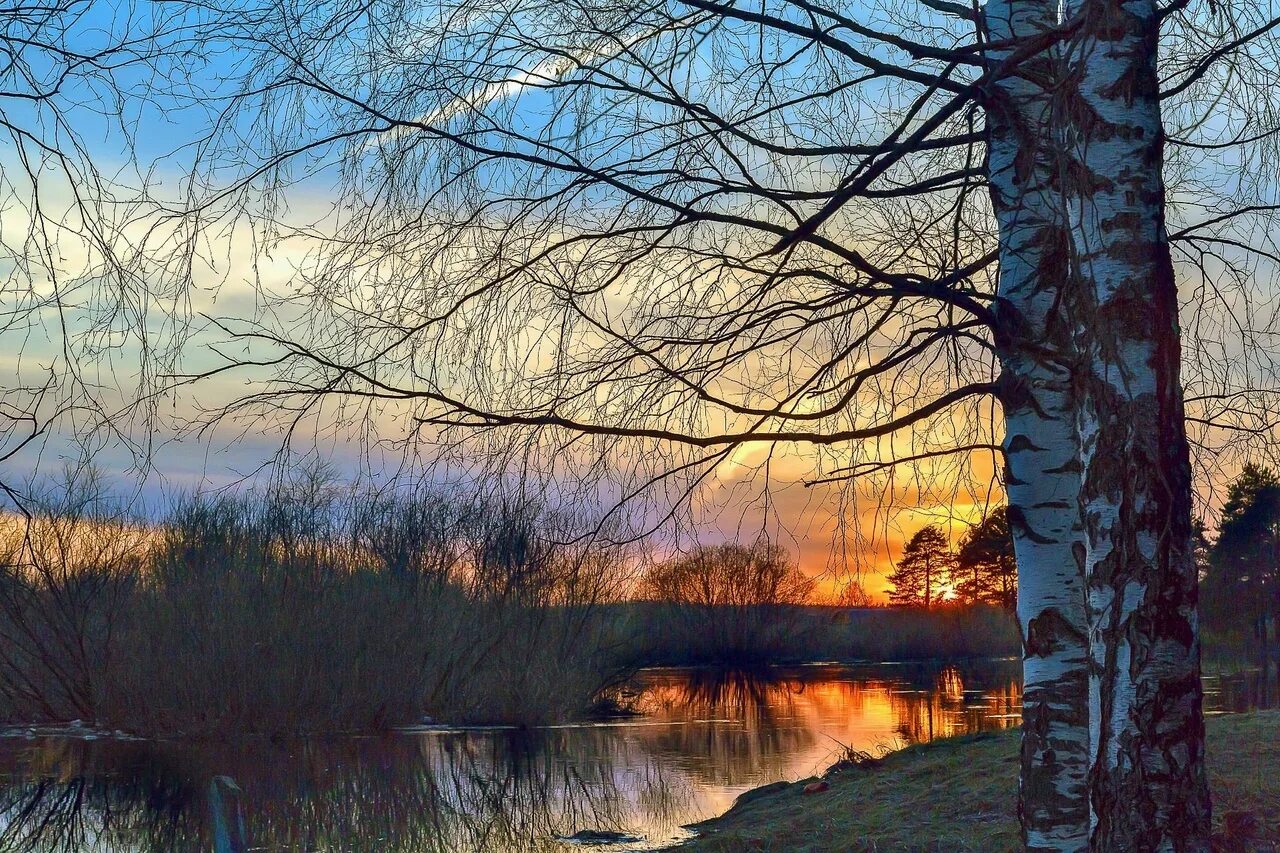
(982, 570)
(1239, 569)
(747, 604)
(735, 578)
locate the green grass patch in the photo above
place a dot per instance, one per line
(960, 794)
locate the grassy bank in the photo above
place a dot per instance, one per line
(959, 794)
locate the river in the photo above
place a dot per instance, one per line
(702, 738)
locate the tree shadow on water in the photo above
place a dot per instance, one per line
(508, 791)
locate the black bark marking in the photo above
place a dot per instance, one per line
(1136, 488)
(1048, 632)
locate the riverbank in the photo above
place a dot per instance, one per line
(315, 608)
(959, 794)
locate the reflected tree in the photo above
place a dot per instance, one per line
(502, 793)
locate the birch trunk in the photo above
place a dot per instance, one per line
(1034, 339)
(1147, 783)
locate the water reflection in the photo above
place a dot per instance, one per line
(442, 793)
(954, 707)
(704, 737)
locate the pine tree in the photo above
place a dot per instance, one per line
(986, 571)
(923, 570)
(1244, 572)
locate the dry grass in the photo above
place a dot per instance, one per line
(959, 794)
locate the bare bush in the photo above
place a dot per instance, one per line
(732, 601)
(311, 607)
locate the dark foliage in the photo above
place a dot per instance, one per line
(986, 570)
(923, 570)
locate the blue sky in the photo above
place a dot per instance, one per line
(156, 140)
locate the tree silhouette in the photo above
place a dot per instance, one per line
(986, 570)
(1243, 580)
(735, 598)
(852, 594)
(921, 574)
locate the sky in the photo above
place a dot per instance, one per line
(177, 446)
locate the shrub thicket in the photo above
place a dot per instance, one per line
(307, 608)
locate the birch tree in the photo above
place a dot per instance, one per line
(1147, 784)
(640, 238)
(1042, 477)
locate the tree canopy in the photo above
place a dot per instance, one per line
(924, 569)
(1242, 585)
(986, 569)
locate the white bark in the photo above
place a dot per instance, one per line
(1147, 784)
(1042, 478)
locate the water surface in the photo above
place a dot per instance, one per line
(703, 738)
